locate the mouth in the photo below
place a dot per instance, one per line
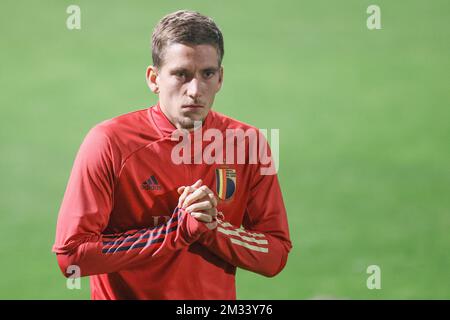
(192, 106)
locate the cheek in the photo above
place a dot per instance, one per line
(169, 86)
(213, 88)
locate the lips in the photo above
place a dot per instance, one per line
(192, 106)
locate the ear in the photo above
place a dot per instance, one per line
(220, 79)
(152, 79)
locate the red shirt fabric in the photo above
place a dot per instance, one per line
(119, 221)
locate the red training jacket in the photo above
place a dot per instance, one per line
(119, 221)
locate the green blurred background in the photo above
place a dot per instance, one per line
(363, 118)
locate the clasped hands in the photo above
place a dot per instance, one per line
(200, 202)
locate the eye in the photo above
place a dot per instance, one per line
(180, 74)
(208, 74)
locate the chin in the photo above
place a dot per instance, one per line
(191, 116)
(188, 122)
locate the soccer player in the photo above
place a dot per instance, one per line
(144, 226)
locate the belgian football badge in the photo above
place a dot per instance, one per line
(225, 183)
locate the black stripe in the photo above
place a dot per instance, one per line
(217, 181)
(140, 245)
(160, 232)
(134, 246)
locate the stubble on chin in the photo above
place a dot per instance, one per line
(188, 123)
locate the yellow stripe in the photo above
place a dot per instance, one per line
(221, 188)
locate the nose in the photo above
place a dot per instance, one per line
(193, 89)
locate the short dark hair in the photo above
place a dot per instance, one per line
(185, 27)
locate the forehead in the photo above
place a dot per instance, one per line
(178, 55)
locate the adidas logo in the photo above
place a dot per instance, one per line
(151, 184)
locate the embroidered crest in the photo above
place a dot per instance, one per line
(225, 183)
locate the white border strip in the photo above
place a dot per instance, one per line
(236, 233)
(249, 246)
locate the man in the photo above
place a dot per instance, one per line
(132, 217)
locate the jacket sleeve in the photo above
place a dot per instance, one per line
(262, 243)
(85, 211)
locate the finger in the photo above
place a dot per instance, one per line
(212, 212)
(185, 193)
(201, 216)
(196, 195)
(212, 225)
(211, 197)
(182, 196)
(197, 183)
(199, 206)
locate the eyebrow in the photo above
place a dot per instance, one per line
(181, 69)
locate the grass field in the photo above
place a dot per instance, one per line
(363, 118)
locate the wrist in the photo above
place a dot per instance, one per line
(194, 229)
